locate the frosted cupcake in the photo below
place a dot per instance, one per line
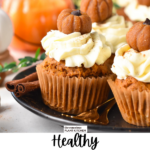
(112, 26)
(73, 78)
(132, 67)
(136, 11)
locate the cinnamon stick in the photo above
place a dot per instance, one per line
(24, 88)
(11, 86)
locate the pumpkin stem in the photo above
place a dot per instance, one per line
(76, 13)
(147, 22)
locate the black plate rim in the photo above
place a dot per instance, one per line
(52, 118)
(74, 121)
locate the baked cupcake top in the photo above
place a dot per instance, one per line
(76, 48)
(134, 60)
(112, 26)
(137, 11)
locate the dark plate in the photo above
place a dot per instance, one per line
(33, 102)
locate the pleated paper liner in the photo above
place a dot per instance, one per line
(72, 95)
(133, 105)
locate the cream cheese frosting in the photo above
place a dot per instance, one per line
(76, 49)
(137, 12)
(129, 62)
(114, 29)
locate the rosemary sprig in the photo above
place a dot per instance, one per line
(24, 62)
(77, 3)
(116, 5)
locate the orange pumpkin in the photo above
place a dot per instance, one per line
(98, 10)
(32, 19)
(144, 2)
(71, 20)
(138, 37)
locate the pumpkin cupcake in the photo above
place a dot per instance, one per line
(112, 26)
(136, 11)
(73, 78)
(132, 67)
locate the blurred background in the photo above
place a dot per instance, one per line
(31, 20)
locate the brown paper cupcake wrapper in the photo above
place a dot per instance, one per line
(72, 95)
(133, 105)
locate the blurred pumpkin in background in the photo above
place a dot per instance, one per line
(32, 19)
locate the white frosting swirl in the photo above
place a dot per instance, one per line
(114, 29)
(76, 49)
(129, 62)
(137, 12)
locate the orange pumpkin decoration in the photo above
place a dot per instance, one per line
(144, 2)
(138, 37)
(32, 19)
(98, 10)
(70, 21)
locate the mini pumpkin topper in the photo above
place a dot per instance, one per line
(144, 2)
(138, 37)
(98, 10)
(76, 13)
(71, 20)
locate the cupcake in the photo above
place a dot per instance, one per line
(131, 88)
(73, 77)
(112, 26)
(136, 11)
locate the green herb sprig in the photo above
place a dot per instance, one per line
(24, 62)
(116, 5)
(77, 3)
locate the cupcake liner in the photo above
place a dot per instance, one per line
(133, 105)
(72, 95)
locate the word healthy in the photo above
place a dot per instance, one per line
(79, 140)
